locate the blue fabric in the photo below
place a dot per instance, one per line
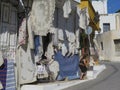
(10, 79)
(69, 77)
(3, 75)
(7, 75)
(69, 66)
(37, 43)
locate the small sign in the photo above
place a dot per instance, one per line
(78, 1)
(89, 30)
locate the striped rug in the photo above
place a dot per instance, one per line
(3, 74)
(10, 78)
(7, 75)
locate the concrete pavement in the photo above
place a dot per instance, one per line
(59, 85)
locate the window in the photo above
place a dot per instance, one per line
(117, 45)
(106, 27)
(102, 45)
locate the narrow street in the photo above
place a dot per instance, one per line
(107, 80)
(51, 44)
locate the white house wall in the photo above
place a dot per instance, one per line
(118, 21)
(105, 39)
(108, 18)
(100, 6)
(115, 35)
(108, 37)
(108, 52)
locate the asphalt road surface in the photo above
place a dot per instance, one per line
(109, 79)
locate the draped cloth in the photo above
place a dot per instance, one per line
(69, 66)
(38, 51)
(42, 16)
(3, 74)
(22, 33)
(67, 8)
(25, 65)
(64, 49)
(7, 75)
(60, 34)
(25, 54)
(1, 58)
(1, 87)
(54, 68)
(10, 78)
(50, 51)
(84, 17)
(4, 38)
(55, 38)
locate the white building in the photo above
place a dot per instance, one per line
(100, 6)
(109, 38)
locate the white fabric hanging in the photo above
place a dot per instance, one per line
(60, 34)
(22, 33)
(64, 49)
(71, 37)
(1, 87)
(5, 38)
(30, 33)
(77, 45)
(55, 38)
(42, 16)
(50, 51)
(13, 38)
(84, 18)
(52, 30)
(60, 45)
(67, 8)
(54, 67)
(26, 67)
(1, 58)
(71, 48)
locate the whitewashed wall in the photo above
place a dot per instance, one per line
(108, 52)
(100, 6)
(108, 18)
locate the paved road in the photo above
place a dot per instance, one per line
(109, 79)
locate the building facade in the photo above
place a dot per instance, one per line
(32, 29)
(100, 6)
(93, 18)
(109, 38)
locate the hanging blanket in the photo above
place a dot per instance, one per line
(7, 75)
(69, 66)
(3, 74)
(10, 78)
